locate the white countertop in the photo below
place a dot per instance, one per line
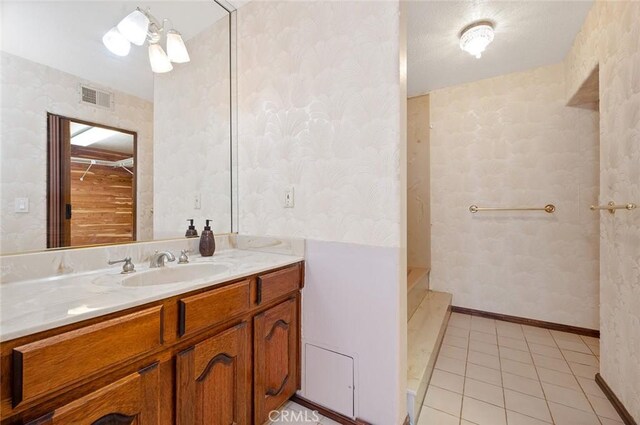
(31, 306)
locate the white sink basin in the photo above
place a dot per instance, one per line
(174, 274)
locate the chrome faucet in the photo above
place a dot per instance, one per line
(127, 267)
(158, 259)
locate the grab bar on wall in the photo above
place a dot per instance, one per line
(612, 207)
(549, 208)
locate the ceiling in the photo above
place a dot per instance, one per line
(528, 34)
(67, 35)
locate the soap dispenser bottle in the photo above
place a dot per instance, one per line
(191, 231)
(207, 241)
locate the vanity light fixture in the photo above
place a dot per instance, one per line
(176, 49)
(134, 27)
(139, 27)
(475, 38)
(116, 42)
(159, 60)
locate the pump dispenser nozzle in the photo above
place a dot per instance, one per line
(191, 231)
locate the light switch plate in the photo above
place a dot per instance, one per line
(197, 204)
(22, 205)
(289, 200)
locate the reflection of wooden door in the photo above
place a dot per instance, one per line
(89, 199)
(58, 195)
(213, 380)
(275, 358)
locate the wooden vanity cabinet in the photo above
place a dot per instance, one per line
(227, 354)
(276, 354)
(213, 380)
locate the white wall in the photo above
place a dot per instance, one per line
(29, 91)
(321, 108)
(511, 141)
(609, 38)
(192, 138)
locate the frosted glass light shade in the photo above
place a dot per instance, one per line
(134, 27)
(159, 60)
(116, 42)
(176, 49)
(475, 39)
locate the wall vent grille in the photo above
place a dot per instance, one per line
(94, 97)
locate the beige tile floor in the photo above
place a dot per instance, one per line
(491, 372)
(294, 414)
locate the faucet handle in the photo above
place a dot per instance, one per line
(127, 267)
(183, 259)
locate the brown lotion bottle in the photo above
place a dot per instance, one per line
(207, 241)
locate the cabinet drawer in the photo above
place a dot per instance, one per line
(209, 308)
(277, 284)
(130, 400)
(49, 364)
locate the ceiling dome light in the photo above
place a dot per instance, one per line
(134, 27)
(116, 42)
(176, 50)
(476, 37)
(159, 60)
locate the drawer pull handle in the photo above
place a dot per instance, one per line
(259, 291)
(182, 313)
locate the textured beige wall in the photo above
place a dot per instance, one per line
(29, 91)
(511, 141)
(321, 107)
(418, 187)
(610, 38)
(317, 86)
(192, 147)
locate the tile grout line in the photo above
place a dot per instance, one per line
(504, 398)
(576, 377)
(535, 367)
(466, 361)
(539, 382)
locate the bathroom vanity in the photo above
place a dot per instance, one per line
(218, 350)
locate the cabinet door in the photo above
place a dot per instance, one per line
(275, 358)
(213, 380)
(132, 400)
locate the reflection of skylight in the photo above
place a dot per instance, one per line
(91, 136)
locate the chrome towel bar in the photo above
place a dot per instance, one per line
(612, 207)
(549, 208)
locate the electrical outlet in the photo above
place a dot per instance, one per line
(22, 205)
(289, 201)
(197, 204)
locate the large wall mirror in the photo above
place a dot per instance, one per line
(116, 121)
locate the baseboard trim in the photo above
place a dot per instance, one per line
(344, 420)
(531, 322)
(615, 401)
